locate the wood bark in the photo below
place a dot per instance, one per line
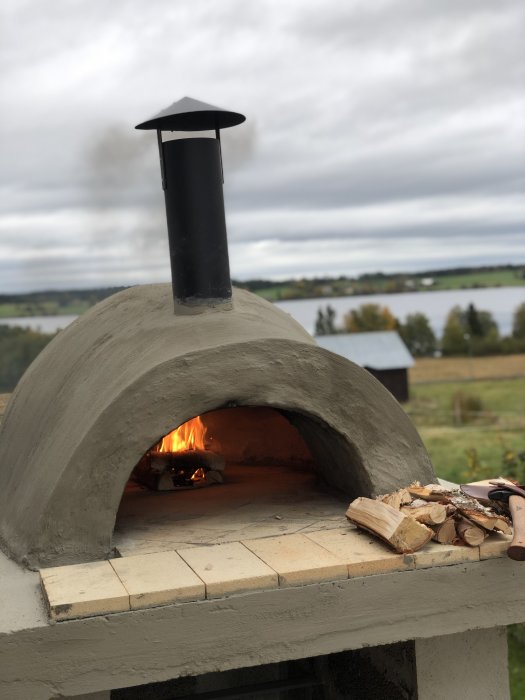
(397, 499)
(401, 532)
(429, 514)
(469, 532)
(432, 492)
(486, 521)
(446, 532)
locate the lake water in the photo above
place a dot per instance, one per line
(44, 324)
(500, 301)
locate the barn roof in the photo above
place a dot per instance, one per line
(376, 350)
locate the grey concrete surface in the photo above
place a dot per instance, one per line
(470, 665)
(157, 644)
(129, 371)
(21, 602)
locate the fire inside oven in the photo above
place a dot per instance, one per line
(196, 453)
(183, 459)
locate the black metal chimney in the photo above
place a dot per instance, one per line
(192, 179)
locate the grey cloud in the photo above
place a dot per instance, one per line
(348, 104)
(510, 233)
(395, 22)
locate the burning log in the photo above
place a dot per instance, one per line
(181, 460)
(400, 531)
(169, 471)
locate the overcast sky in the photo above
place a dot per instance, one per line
(380, 134)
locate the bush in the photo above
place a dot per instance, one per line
(466, 408)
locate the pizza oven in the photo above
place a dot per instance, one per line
(185, 388)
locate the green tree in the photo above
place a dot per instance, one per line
(472, 321)
(455, 336)
(418, 335)
(370, 317)
(325, 322)
(470, 332)
(18, 348)
(518, 322)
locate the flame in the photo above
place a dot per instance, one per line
(188, 436)
(199, 475)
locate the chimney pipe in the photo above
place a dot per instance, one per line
(192, 178)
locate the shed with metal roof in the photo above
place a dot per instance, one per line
(382, 353)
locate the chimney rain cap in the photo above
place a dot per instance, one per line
(188, 114)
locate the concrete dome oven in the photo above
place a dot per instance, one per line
(129, 371)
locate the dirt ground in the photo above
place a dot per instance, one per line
(429, 369)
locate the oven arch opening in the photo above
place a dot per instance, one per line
(269, 472)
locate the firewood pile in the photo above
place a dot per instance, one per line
(409, 518)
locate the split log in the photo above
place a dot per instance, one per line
(486, 521)
(503, 525)
(401, 532)
(396, 499)
(431, 492)
(470, 533)
(428, 514)
(446, 532)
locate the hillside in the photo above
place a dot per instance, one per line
(57, 302)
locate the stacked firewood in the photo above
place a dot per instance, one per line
(409, 518)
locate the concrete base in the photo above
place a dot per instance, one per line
(471, 666)
(42, 661)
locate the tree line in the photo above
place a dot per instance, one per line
(18, 348)
(467, 331)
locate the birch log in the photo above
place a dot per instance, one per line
(401, 532)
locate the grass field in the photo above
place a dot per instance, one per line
(443, 369)
(481, 278)
(499, 383)
(24, 310)
(297, 289)
(495, 428)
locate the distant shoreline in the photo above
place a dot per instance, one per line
(76, 302)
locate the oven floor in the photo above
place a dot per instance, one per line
(255, 501)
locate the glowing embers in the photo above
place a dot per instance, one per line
(181, 460)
